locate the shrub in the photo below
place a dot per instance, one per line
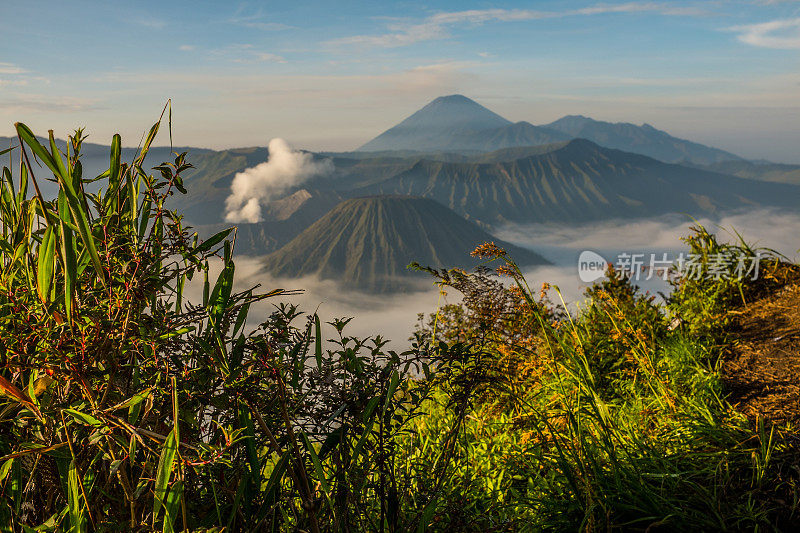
(127, 406)
(625, 426)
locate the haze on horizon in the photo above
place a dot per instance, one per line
(331, 77)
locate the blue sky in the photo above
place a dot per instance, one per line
(332, 75)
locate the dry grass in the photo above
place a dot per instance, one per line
(762, 369)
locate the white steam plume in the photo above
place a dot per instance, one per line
(254, 186)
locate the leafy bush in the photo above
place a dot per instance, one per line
(624, 428)
(703, 301)
(127, 406)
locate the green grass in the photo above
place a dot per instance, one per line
(625, 426)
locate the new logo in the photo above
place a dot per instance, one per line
(591, 266)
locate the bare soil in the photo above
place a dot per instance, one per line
(762, 372)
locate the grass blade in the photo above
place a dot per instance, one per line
(45, 264)
(164, 473)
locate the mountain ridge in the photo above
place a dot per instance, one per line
(643, 139)
(439, 126)
(579, 181)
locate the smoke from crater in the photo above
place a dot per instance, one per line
(255, 186)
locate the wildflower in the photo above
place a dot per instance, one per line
(506, 271)
(488, 250)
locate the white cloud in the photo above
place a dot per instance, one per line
(46, 103)
(10, 68)
(186, 48)
(268, 57)
(395, 317)
(257, 20)
(437, 26)
(247, 53)
(638, 7)
(152, 23)
(13, 82)
(284, 169)
(782, 34)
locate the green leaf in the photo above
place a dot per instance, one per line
(361, 441)
(111, 199)
(114, 163)
(144, 213)
(427, 516)
(253, 485)
(212, 241)
(220, 296)
(46, 264)
(277, 472)
(132, 403)
(79, 213)
(371, 407)
(23, 187)
(6, 468)
(323, 481)
(171, 506)
(40, 151)
(393, 382)
(62, 169)
(241, 318)
(85, 419)
(331, 442)
(317, 341)
(146, 147)
(164, 473)
(177, 333)
(68, 253)
(76, 517)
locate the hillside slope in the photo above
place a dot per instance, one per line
(762, 171)
(368, 243)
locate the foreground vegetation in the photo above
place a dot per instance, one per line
(125, 406)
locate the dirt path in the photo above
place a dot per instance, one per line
(763, 373)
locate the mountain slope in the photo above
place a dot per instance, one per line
(513, 135)
(428, 128)
(644, 139)
(763, 171)
(579, 181)
(456, 123)
(368, 242)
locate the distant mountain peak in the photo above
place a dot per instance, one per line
(435, 124)
(454, 99)
(455, 110)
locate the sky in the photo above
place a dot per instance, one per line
(332, 75)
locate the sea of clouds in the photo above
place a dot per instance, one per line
(394, 316)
